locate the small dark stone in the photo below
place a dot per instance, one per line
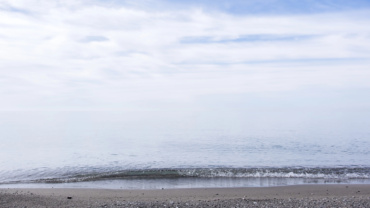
(69, 197)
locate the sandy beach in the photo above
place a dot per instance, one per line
(285, 196)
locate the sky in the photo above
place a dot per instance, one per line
(185, 55)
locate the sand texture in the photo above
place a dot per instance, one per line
(286, 196)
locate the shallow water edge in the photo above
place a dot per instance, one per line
(180, 183)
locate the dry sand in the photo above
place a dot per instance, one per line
(285, 196)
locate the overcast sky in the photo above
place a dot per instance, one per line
(179, 54)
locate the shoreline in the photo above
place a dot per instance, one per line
(349, 195)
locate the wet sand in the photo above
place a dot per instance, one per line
(285, 196)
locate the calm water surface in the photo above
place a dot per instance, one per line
(40, 145)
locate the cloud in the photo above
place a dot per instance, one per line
(71, 54)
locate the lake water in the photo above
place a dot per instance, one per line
(183, 148)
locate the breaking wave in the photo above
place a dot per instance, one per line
(340, 173)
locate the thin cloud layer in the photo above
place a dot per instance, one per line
(104, 55)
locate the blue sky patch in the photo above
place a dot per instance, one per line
(89, 39)
(245, 38)
(247, 7)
